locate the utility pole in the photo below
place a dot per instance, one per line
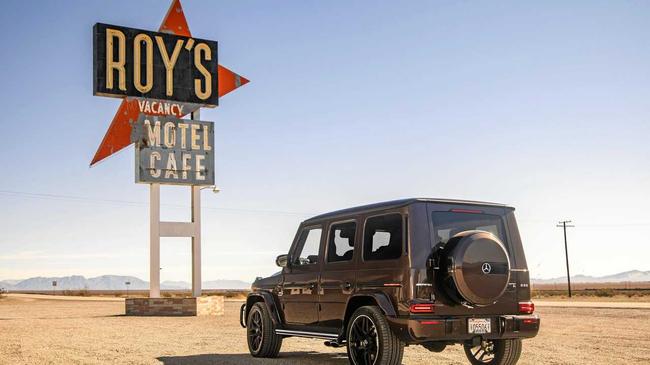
(564, 225)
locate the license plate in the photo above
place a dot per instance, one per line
(479, 325)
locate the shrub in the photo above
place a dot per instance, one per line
(604, 293)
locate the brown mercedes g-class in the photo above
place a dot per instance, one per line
(379, 277)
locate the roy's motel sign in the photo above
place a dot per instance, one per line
(140, 63)
(168, 72)
(162, 77)
(173, 151)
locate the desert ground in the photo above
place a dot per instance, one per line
(94, 330)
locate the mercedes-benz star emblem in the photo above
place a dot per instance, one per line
(486, 268)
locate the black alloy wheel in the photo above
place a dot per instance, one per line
(255, 328)
(364, 342)
(494, 352)
(483, 353)
(260, 332)
(370, 341)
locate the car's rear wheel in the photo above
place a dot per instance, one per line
(494, 352)
(262, 340)
(370, 340)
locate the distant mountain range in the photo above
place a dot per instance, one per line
(116, 282)
(111, 282)
(627, 276)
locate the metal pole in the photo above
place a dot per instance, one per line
(196, 237)
(564, 226)
(196, 241)
(154, 243)
(566, 254)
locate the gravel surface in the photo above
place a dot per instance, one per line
(37, 331)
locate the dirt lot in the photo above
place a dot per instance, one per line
(36, 331)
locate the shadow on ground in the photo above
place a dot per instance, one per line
(300, 357)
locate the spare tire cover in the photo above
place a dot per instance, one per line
(479, 266)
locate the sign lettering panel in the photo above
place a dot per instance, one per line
(141, 63)
(169, 150)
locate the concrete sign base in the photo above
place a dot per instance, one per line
(202, 306)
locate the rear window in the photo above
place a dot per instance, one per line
(448, 224)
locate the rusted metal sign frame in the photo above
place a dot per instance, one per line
(157, 65)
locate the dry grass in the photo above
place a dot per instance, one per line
(75, 332)
(627, 285)
(601, 294)
(228, 293)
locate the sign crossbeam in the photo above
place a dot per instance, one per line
(178, 229)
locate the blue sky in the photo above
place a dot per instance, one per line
(543, 106)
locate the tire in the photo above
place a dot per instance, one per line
(497, 352)
(260, 332)
(370, 340)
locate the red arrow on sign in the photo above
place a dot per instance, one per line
(118, 135)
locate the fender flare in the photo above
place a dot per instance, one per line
(380, 298)
(270, 302)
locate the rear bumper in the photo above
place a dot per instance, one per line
(454, 329)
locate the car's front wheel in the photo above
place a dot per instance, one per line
(262, 340)
(494, 352)
(370, 340)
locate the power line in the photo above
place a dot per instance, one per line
(588, 225)
(73, 198)
(564, 225)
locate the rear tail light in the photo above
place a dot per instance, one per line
(526, 307)
(421, 308)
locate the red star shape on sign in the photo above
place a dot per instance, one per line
(118, 135)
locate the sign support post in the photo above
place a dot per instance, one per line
(154, 243)
(196, 238)
(196, 241)
(159, 229)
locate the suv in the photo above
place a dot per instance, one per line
(380, 277)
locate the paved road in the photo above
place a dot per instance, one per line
(540, 303)
(65, 297)
(576, 304)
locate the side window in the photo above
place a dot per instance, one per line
(382, 238)
(341, 242)
(308, 246)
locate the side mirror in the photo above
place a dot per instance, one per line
(282, 260)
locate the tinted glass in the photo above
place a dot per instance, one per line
(448, 224)
(308, 247)
(341, 242)
(382, 238)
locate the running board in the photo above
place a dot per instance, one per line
(324, 336)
